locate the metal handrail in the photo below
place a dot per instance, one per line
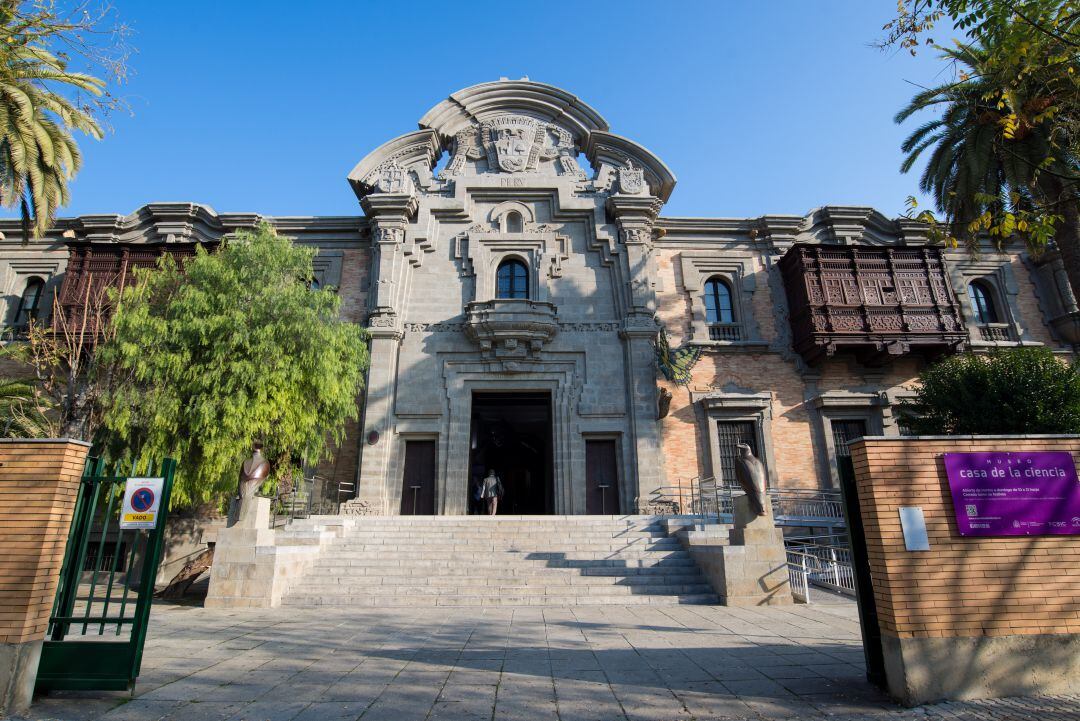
(828, 567)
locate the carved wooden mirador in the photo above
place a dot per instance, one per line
(93, 268)
(879, 303)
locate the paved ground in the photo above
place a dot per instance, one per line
(588, 664)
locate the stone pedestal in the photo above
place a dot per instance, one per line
(749, 567)
(254, 566)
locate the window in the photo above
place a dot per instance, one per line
(982, 303)
(844, 432)
(28, 304)
(514, 224)
(512, 280)
(719, 311)
(730, 434)
(718, 307)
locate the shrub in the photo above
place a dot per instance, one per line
(1009, 391)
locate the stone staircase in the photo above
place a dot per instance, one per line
(498, 561)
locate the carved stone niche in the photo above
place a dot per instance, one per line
(511, 326)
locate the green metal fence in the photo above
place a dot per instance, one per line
(99, 618)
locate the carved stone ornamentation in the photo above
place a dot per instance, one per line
(392, 178)
(513, 142)
(357, 507)
(467, 146)
(631, 179)
(387, 234)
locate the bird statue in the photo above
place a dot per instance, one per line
(750, 474)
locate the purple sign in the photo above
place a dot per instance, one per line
(1014, 494)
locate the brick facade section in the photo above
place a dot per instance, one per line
(964, 586)
(798, 458)
(344, 461)
(39, 482)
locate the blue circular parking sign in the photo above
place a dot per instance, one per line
(142, 500)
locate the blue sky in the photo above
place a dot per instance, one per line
(760, 107)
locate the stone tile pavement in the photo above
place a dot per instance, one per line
(639, 663)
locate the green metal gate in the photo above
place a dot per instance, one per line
(102, 606)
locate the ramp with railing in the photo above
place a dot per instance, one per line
(709, 498)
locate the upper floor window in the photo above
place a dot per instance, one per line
(512, 279)
(514, 223)
(982, 303)
(718, 308)
(29, 303)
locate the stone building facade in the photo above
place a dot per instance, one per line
(514, 269)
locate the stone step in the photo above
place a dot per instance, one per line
(502, 560)
(508, 576)
(430, 567)
(540, 559)
(416, 535)
(384, 601)
(510, 546)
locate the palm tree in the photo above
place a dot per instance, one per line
(21, 411)
(978, 169)
(38, 155)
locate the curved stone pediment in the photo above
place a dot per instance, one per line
(479, 103)
(395, 166)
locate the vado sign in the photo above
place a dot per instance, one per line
(1014, 494)
(141, 499)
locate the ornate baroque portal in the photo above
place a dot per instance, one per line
(512, 191)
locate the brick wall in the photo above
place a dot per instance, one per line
(355, 273)
(963, 586)
(39, 482)
(797, 460)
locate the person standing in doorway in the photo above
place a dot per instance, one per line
(492, 491)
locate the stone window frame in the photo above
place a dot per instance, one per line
(735, 406)
(39, 299)
(326, 268)
(833, 406)
(736, 268)
(20, 271)
(997, 275)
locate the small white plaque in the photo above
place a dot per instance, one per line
(914, 525)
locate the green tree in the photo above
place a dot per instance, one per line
(20, 410)
(234, 348)
(43, 100)
(1009, 391)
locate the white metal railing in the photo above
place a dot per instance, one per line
(828, 567)
(807, 507)
(711, 498)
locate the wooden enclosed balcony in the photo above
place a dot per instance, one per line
(878, 303)
(95, 268)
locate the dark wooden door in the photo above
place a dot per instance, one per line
(418, 479)
(601, 478)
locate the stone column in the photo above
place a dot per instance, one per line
(39, 482)
(635, 216)
(389, 214)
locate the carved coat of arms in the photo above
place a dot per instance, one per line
(631, 179)
(511, 143)
(512, 149)
(392, 178)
